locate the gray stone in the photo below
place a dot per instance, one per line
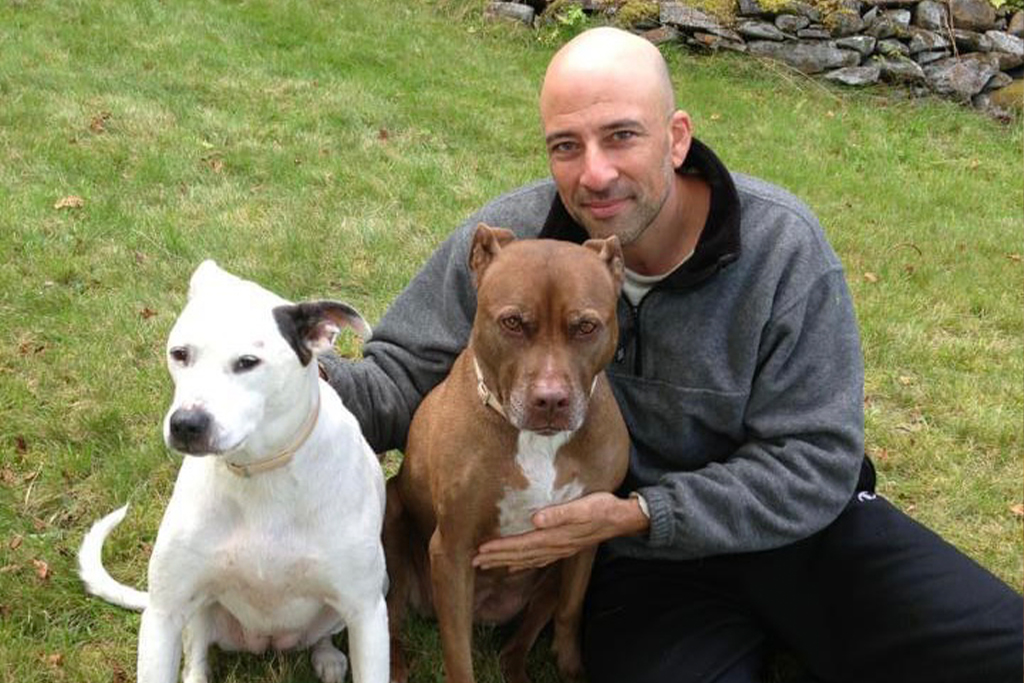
(972, 15)
(923, 58)
(862, 44)
(661, 35)
(726, 33)
(961, 78)
(510, 10)
(844, 22)
(900, 17)
(889, 3)
(855, 75)
(892, 48)
(803, 9)
(791, 23)
(760, 30)
(678, 14)
(1000, 80)
(809, 58)
(884, 27)
(813, 33)
(710, 41)
(1004, 42)
(899, 70)
(749, 8)
(1016, 25)
(969, 41)
(923, 41)
(930, 15)
(1007, 61)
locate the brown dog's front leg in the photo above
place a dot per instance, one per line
(569, 612)
(452, 575)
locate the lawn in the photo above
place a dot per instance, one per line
(323, 149)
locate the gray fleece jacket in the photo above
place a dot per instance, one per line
(739, 376)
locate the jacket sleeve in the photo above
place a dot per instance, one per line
(804, 419)
(411, 348)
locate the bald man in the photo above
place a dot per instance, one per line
(748, 521)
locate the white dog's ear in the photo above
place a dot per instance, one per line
(311, 327)
(208, 275)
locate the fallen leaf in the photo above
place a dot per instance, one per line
(15, 543)
(871, 277)
(216, 164)
(7, 476)
(906, 381)
(140, 257)
(1017, 510)
(54, 660)
(69, 202)
(1014, 257)
(830, 114)
(30, 476)
(147, 313)
(973, 164)
(716, 117)
(382, 134)
(99, 122)
(42, 569)
(20, 444)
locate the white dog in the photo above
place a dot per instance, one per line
(271, 538)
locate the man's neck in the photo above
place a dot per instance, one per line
(675, 231)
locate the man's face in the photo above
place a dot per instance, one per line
(610, 151)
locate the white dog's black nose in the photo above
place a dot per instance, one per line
(190, 430)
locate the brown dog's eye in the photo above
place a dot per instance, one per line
(512, 323)
(179, 354)
(585, 327)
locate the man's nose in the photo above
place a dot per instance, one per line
(598, 170)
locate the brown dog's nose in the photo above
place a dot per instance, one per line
(549, 397)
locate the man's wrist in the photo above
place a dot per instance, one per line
(639, 521)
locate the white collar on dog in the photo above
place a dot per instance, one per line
(282, 458)
(486, 395)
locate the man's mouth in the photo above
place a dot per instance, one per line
(604, 208)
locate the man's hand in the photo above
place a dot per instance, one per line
(563, 530)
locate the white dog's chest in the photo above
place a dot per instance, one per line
(535, 457)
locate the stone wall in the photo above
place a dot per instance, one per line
(962, 49)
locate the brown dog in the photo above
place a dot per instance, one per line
(525, 419)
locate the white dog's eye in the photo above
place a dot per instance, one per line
(245, 363)
(179, 354)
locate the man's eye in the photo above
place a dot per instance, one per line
(622, 135)
(562, 148)
(179, 354)
(245, 363)
(512, 323)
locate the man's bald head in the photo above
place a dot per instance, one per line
(613, 57)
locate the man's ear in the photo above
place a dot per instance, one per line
(610, 251)
(487, 242)
(312, 326)
(681, 130)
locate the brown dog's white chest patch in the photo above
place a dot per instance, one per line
(535, 456)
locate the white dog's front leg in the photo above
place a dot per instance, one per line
(159, 647)
(368, 644)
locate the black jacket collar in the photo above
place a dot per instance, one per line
(719, 243)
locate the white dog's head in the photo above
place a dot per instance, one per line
(240, 357)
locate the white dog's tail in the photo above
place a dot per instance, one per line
(90, 566)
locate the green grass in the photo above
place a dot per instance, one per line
(323, 149)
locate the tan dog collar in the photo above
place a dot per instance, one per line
(282, 458)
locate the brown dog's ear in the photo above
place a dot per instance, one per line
(311, 327)
(487, 242)
(610, 251)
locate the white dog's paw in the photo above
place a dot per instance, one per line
(196, 676)
(329, 662)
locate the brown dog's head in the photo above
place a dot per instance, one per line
(545, 323)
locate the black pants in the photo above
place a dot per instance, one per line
(874, 597)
